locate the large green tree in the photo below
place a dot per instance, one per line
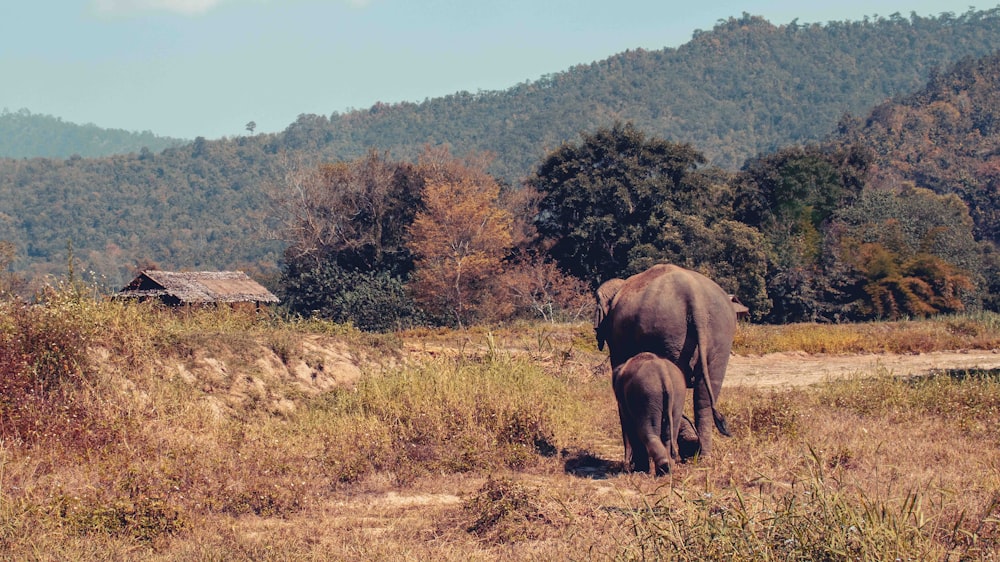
(789, 196)
(620, 201)
(602, 197)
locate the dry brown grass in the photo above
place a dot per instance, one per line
(965, 331)
(211, 435)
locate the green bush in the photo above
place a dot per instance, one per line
(372, 301)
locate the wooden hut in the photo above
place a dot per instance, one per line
(197, 288)
(742, 312)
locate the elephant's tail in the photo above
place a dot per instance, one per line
(700, 325)
(667, 437)
(720, 421)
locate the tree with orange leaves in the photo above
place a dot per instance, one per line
(459, 239)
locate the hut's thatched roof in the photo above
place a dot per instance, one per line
(198, 287)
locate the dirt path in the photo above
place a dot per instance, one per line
(789, 369)
(800, 369)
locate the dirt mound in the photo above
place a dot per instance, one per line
(235, 376)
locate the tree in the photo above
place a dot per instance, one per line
(370, 300)
(346, 224)
(251, 126)
(909, 252)
(895, 286)
(795, 190)
(12, 285)
(536, 288)
(355, 211)
(460, 239)
(608, 195)
(789, 196)
(620, 202)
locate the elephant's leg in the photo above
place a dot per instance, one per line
(668, 436)
(687, 439)
(652, 433)
(686, 431)
(636, 458)
(703, 419)
(640, 455)
(647, 444)
(628, 436)
(662, 448)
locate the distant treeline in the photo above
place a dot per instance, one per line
(743, 88)
(27, 135)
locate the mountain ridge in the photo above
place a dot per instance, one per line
(24, 134)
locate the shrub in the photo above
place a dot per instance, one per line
(144, 519)
(503, 511)
(44, 376)
(374, 301)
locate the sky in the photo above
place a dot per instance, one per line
(189, 68)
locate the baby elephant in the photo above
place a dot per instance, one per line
(650, 392)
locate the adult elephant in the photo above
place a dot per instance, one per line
(680, 315)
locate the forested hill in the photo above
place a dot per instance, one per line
(27, 135)
(745, 87)
(945, 137)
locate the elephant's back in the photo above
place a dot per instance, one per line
(651, 373)
(695, 291)
(668, 283)
(653, 309)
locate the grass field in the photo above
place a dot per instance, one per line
(133, 433)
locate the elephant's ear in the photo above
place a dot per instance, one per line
(600, 331)
(605, 293)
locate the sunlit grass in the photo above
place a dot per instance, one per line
(965, 331)
(444, 416)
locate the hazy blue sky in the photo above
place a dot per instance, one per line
(189, 68)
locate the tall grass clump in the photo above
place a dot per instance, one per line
(816, 518)
(447, 415)
(963, 400)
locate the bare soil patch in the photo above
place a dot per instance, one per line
(801, 369)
